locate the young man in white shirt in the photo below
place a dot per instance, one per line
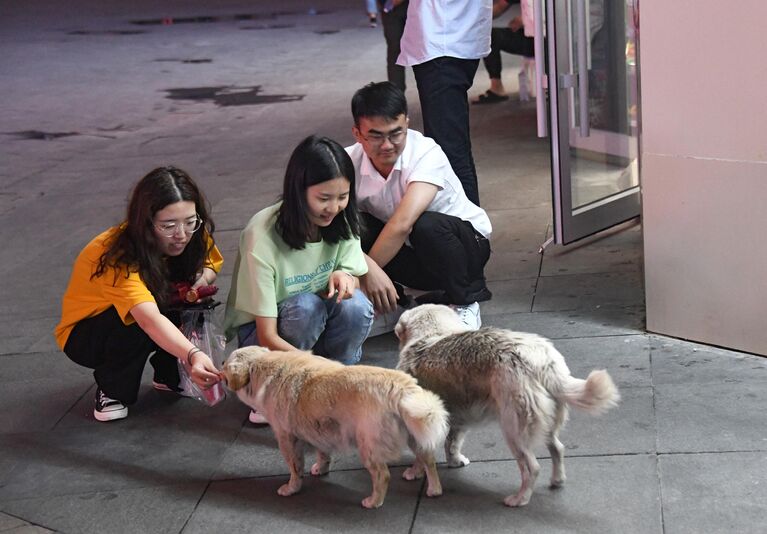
(420, 229)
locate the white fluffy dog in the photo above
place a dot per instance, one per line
(519, 379)
(309, 399)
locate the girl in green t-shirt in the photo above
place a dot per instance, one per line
(295, 282)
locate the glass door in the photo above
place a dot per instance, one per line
(591, 75)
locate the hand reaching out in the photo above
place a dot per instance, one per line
(203, 371)
(342, 285)
(379, 288)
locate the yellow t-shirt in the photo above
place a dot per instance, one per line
(86, 297)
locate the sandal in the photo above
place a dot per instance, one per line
(489, 97)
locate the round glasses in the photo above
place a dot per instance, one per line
(396, 137)
(169, 229)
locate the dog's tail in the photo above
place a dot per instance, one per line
(425, 417)
(596, 394)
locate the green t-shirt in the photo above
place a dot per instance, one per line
(267, 270)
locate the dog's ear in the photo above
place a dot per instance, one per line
(400, 329)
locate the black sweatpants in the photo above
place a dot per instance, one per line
(445, 253)
(117, 354)
(507, 40)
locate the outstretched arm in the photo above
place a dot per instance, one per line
(417, 198)
(376, 284)
(169, 338)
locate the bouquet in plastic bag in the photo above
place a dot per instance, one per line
(199, 325)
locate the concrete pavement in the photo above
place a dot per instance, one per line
(98, 93)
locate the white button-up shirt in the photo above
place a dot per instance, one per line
(422, 160)
(454, 28)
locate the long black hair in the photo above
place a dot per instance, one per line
(316, 160)
(135, 247)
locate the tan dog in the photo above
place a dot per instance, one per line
(519, 379)
(309, 399)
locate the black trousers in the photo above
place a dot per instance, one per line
(507, 40)
(117, 354)
(446, 253)
(393, 24)
(443, 84)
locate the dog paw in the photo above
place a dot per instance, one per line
(319, 469)
(434, 492)
(557, 483)
(458, 461)
(286, 490)
(517, 500)
(371, 502)
(411, 473)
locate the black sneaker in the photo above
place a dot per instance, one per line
(108, 409)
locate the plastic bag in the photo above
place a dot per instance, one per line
(199, 325)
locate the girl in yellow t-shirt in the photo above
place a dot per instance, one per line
(111, 320)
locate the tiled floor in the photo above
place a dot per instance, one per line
(685, 451)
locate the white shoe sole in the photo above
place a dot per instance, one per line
(111, 415)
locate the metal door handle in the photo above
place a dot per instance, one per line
(540, 94)
(583, 68)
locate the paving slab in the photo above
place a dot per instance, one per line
(616, 250)
(328, 503)
(509, 296)
(627, 429)
(8, 522)
(602, 494)
(681, 362)
(626, 358)
(714, 493)
(517, 235)
(711, 417)
(39, 404)
(564, 324)
(120, 511)
(85, 461)
(28, 334)
(590, 291)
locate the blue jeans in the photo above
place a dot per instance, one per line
(330, 329)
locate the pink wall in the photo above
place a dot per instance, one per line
(704, 170)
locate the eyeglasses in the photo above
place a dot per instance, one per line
(396, 137)
(169, 229)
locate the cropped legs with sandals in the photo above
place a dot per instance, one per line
(445, 253)
(308, 321)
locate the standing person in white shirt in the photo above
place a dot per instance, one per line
(420, 229)
(443, 42)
